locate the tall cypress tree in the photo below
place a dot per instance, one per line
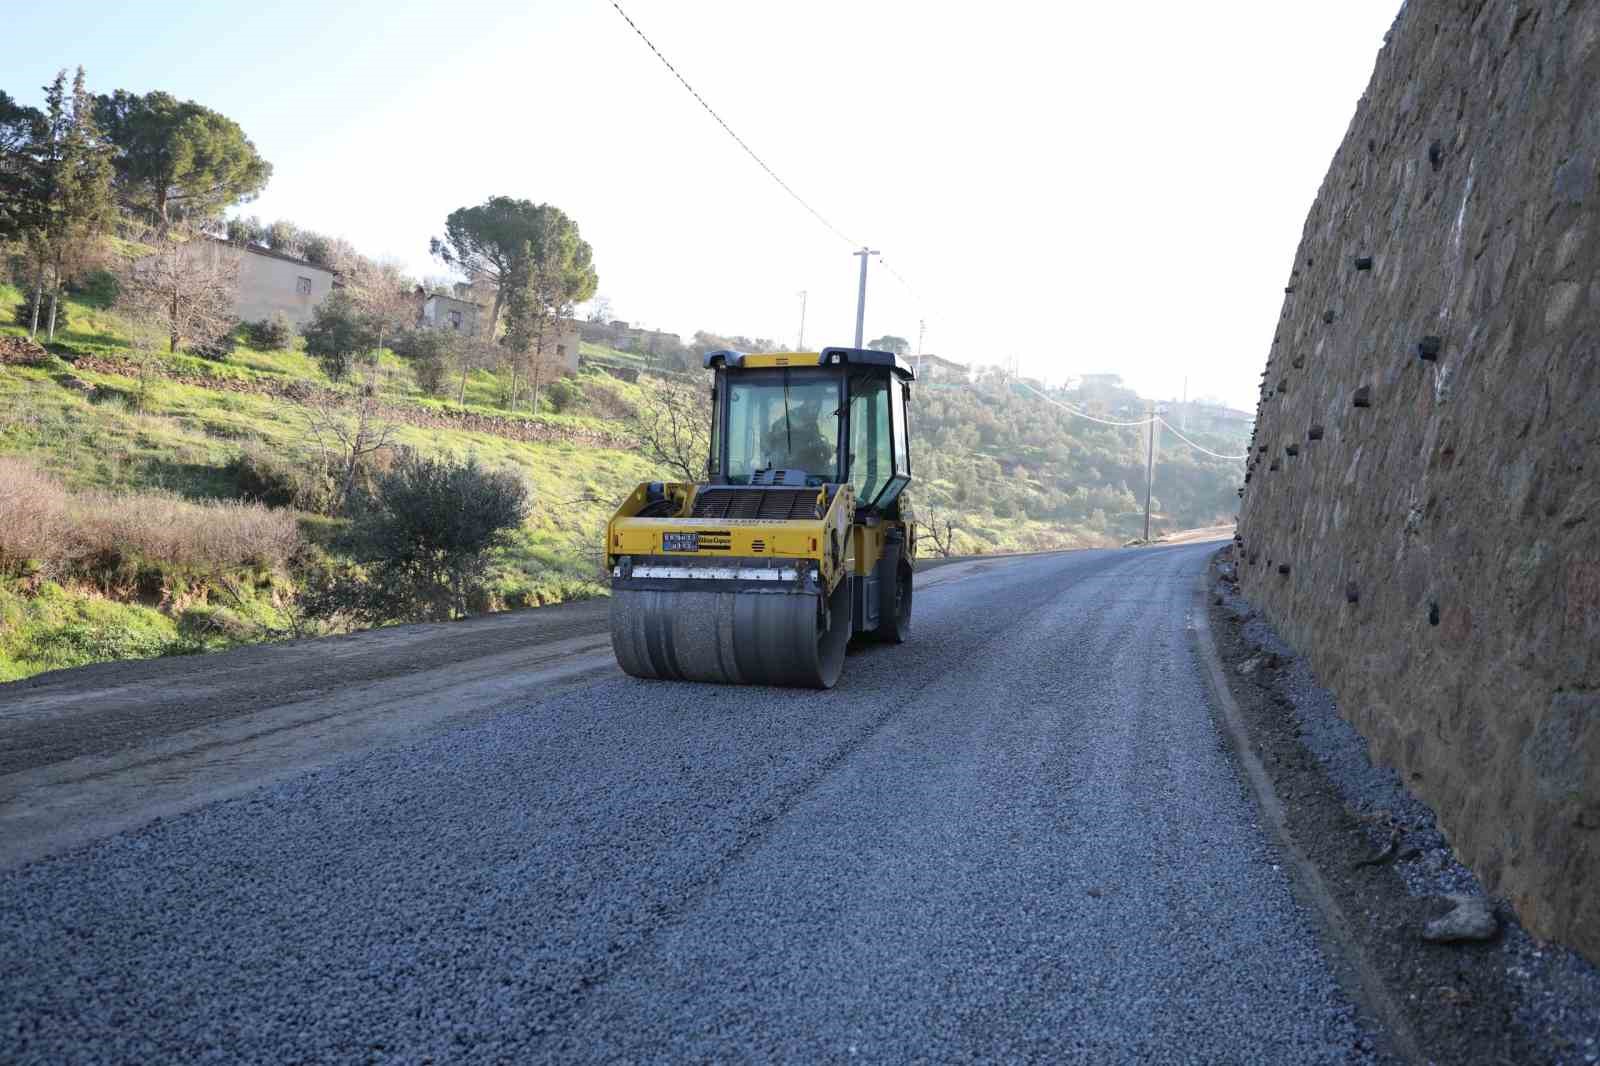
(73, 192)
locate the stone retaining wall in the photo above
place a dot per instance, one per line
(1421, 511)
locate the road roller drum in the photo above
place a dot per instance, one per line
(748, 637)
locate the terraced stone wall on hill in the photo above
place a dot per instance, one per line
(1421, 512)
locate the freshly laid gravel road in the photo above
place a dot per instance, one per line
(1016, 838)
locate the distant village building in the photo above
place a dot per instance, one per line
(629, 338)
(1211, 417)
(652, 341)
(601, 333)
(937, 368)
(439, 310)
(271, 283)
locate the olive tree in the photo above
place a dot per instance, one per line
(423, 538)
(337, 333)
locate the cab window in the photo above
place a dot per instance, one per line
(871, 443)
(902, 449)
(782, 421)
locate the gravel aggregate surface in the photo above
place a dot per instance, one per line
(1017, 837)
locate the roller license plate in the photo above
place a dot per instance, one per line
(680, 542)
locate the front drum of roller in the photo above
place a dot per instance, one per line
(754, 637)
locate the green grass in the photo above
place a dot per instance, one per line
(47, 626)
(182, 437)
(291, 365)
(185, 435)
(601, 354)
(50, 628)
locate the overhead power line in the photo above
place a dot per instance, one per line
(1141, 422)
(729, 130)
(1198, 447)
(1085, 414)
(915, 295)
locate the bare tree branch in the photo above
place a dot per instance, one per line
(348, 435)
(189, 281)
(674, 428)
(940, 529)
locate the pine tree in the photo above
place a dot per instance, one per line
(20, 175)
(176, 160)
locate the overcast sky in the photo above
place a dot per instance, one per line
(1081, 187)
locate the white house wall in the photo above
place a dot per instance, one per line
(269, 286)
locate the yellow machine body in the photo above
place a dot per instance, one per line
(763, 573)
(810, 540)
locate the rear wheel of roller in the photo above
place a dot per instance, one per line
(752, 637)
(894, 624)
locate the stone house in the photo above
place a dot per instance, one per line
(604, 333)
(651, 341)
(271, 283)
(438, 310)
(565, 340)
(625, 337)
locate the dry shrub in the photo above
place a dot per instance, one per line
(199, 537)
(44, 525)
(607, 400)
(34, 517)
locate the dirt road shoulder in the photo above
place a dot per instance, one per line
(101, 749)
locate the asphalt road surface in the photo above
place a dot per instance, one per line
(1017, 837)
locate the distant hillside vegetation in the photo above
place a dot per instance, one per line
(993, 455)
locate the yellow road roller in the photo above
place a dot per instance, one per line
(794, 544)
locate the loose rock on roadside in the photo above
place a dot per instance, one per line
(1472, 918)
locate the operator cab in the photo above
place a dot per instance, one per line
(780, 420)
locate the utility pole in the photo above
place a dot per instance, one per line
(1183, 419)
(922, 329)
(861, 296)
(1149, 471)
(800, 345)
